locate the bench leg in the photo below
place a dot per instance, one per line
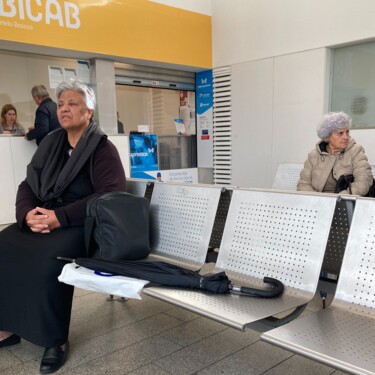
(111, 297)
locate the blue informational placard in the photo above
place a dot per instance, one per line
(143, 154)
(204, 106)
(204, 94)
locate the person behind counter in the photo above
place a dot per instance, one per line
(45, 116)
(9, 124)
(120, 125)
(337, 164)
(71, 166)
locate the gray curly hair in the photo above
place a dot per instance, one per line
(331, 122)
(86, 91)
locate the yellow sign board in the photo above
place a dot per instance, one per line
(137, 29)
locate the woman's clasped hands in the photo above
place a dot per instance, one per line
(42, 220)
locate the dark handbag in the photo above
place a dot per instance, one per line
(371, 192)
(344, 183)
(117, 227)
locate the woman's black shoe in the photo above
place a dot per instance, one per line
(11, 340)
(53, 359)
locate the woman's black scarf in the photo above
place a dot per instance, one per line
(47, 175)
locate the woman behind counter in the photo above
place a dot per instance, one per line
(9, 124)
(72, 165)
(336, 155)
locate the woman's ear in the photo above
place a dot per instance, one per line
(91, 113)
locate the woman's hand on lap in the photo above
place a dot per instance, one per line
(42, 220)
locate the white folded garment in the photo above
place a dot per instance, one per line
(85, 278)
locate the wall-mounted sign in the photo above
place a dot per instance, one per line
(143, 154)
(204, 100)
(189, 175)
(83, 25)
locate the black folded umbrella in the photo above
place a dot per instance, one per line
(171, 275)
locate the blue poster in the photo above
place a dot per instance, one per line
(204, 106)
(143, 154)
(204, 94)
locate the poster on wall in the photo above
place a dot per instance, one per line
(56, 75)
(143, 154)
(204, 100)
(83, 71)
(186, 175)
(70, 74)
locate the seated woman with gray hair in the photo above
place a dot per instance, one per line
(337, 164)
(72, 165)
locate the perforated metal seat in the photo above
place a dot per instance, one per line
(267, 233)
(287, 176)
(343, 335)
(182, 217)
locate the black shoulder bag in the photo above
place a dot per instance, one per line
(117, 227)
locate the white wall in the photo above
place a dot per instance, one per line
(299, 97)
(246, 30)
(252, 96)
(281, 76)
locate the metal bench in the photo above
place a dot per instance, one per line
(267, 233)
(337, 238)
(343, 335)
(182, 218)
(219, 224)
(287, 176)
(220, 218)
(142, 188)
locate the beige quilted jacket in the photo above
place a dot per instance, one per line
(319, 165)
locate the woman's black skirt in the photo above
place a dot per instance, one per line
(33, 303)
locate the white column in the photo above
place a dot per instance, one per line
(103, 79)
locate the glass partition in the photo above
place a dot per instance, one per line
(158, 109)
(353, 83)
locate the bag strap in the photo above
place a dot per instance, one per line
(89, 238)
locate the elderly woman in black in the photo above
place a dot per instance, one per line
(72, 165)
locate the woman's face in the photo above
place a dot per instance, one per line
(72, 111)
(10, 117)
(339, 139)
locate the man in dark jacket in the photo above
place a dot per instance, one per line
(45, 117)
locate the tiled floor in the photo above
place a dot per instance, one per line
(151, 337)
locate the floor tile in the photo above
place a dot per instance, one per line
(252, 360)
(297, 365)
(198, 356)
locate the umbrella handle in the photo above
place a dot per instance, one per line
(275, 291)
(66, 259)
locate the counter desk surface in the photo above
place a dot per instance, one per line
(16, 153)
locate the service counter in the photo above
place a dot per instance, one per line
(16, 153)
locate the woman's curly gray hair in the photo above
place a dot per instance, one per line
(86, 91)
(333, 121)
